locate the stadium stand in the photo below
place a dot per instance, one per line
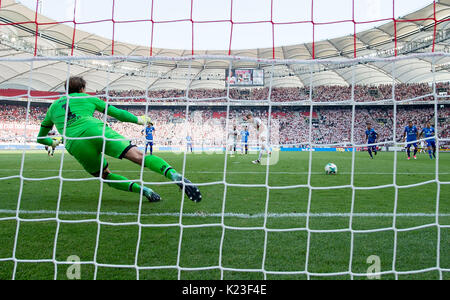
(289, 126)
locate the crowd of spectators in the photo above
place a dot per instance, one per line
(334, 124)
(15, 122)
(290, 126)
(361, 93)
(358, 93)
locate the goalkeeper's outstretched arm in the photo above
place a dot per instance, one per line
(120, 114)
(42, 136)
(45, 140)
(46, 126)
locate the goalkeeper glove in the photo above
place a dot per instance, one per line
(143, 120)
(56, 142)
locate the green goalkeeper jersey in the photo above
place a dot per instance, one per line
(77, 116)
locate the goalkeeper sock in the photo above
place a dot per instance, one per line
(124, 184)
(409, 152)
(429, 153)
(160, 166)
(370, 153)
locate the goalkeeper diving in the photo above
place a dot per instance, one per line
(85, 135)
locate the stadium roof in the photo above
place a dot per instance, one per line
(55, 39)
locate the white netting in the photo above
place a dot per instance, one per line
(234, 109)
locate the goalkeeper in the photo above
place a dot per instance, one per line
(80, 123)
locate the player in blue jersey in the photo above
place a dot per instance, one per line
(189, 143)
(429, 134)
(371, 139)
(410, 134)
(244, 139)
(149, 131)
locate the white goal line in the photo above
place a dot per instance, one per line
(235, 215)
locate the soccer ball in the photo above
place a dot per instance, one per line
(331, 168)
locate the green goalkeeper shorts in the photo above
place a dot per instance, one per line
(88, 151)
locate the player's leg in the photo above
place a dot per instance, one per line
(429, 151)
(122, 183)
(151, 148)
(369, 149)
(429, 148)
(123, 149)
(50, 150)
(264, 148)
(258, 161)
(146, 145)
(158, 165)
(415, 150)
(408, 151)
(88, 153)
(266, 144)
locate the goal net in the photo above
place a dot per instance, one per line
(268, 209)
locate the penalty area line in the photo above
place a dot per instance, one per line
(235, 215)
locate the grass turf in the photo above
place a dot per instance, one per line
(117, 243)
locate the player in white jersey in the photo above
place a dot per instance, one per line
(50, 149)
(422, 147)
(232, 139)
(262, 135)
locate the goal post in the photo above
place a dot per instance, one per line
(234, 110)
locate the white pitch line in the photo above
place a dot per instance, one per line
(235, 215)
(241, 172)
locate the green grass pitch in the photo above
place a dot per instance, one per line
(239, 246)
